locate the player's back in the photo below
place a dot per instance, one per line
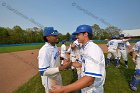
(112, 44)
(123, 45)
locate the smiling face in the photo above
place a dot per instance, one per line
(82, 38)
(52, 40)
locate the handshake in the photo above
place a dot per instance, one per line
(66, 64)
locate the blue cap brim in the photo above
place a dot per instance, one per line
(75, 33)
(55, 33)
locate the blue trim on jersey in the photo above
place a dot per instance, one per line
(41, 73)
(93, 74)
(44, 68)
(76, 44)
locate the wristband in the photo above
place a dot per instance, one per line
(133, 59)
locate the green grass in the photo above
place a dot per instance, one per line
(117, 80)
(8, 49)
(18, 48)
(34, 85)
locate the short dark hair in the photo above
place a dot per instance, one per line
(90, 36)
(45, 39)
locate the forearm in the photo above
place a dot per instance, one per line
(134, 54)
(125, 40)
(76, 64)
(51, 71)
(65, 65)
(85, 81)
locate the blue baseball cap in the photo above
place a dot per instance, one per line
(73, 37)
(83, 28)
(113, 37)
(121, 35)
(49, 31)
(63, 41)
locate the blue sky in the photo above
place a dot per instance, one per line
(66, 15)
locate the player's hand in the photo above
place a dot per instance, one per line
(134, 61)
(56, 89)
(66, 62)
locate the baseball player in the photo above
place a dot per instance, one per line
(123, 50)
(113, 50)
(63, 51)
(48, 60)
(74, 51)
(136, 59)
(92, 63)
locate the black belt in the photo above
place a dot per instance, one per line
(122, 49)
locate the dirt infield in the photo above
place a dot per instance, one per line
(16, 68)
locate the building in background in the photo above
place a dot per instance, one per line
(133, 32)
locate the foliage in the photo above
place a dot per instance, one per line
(101, 34)
(17, 35)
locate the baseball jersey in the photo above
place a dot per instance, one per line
(123, 45)
(113, 44)
(77, 44)
(75, 53)
(93, 64)
(136, 48)
(63, 50)
(49, 58)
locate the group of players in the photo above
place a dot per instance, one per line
(117, 48)
(90, 66)
(86, 57)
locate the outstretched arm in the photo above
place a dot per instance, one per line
(79, 84)
(52, 71)
(134, 54)
(76, 64)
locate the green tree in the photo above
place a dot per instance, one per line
(18, 34)
(68, 36)
(97, 31)
(4, 35)
(112, 31)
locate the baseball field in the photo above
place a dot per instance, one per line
(19, 73)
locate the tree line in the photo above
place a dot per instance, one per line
(17, 35)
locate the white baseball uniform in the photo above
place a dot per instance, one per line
(136, 48)
(63, 52)
(112, 48)
(93, 64)
(136, 77)
(75, 54)
(123, 50)
(49, 61)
